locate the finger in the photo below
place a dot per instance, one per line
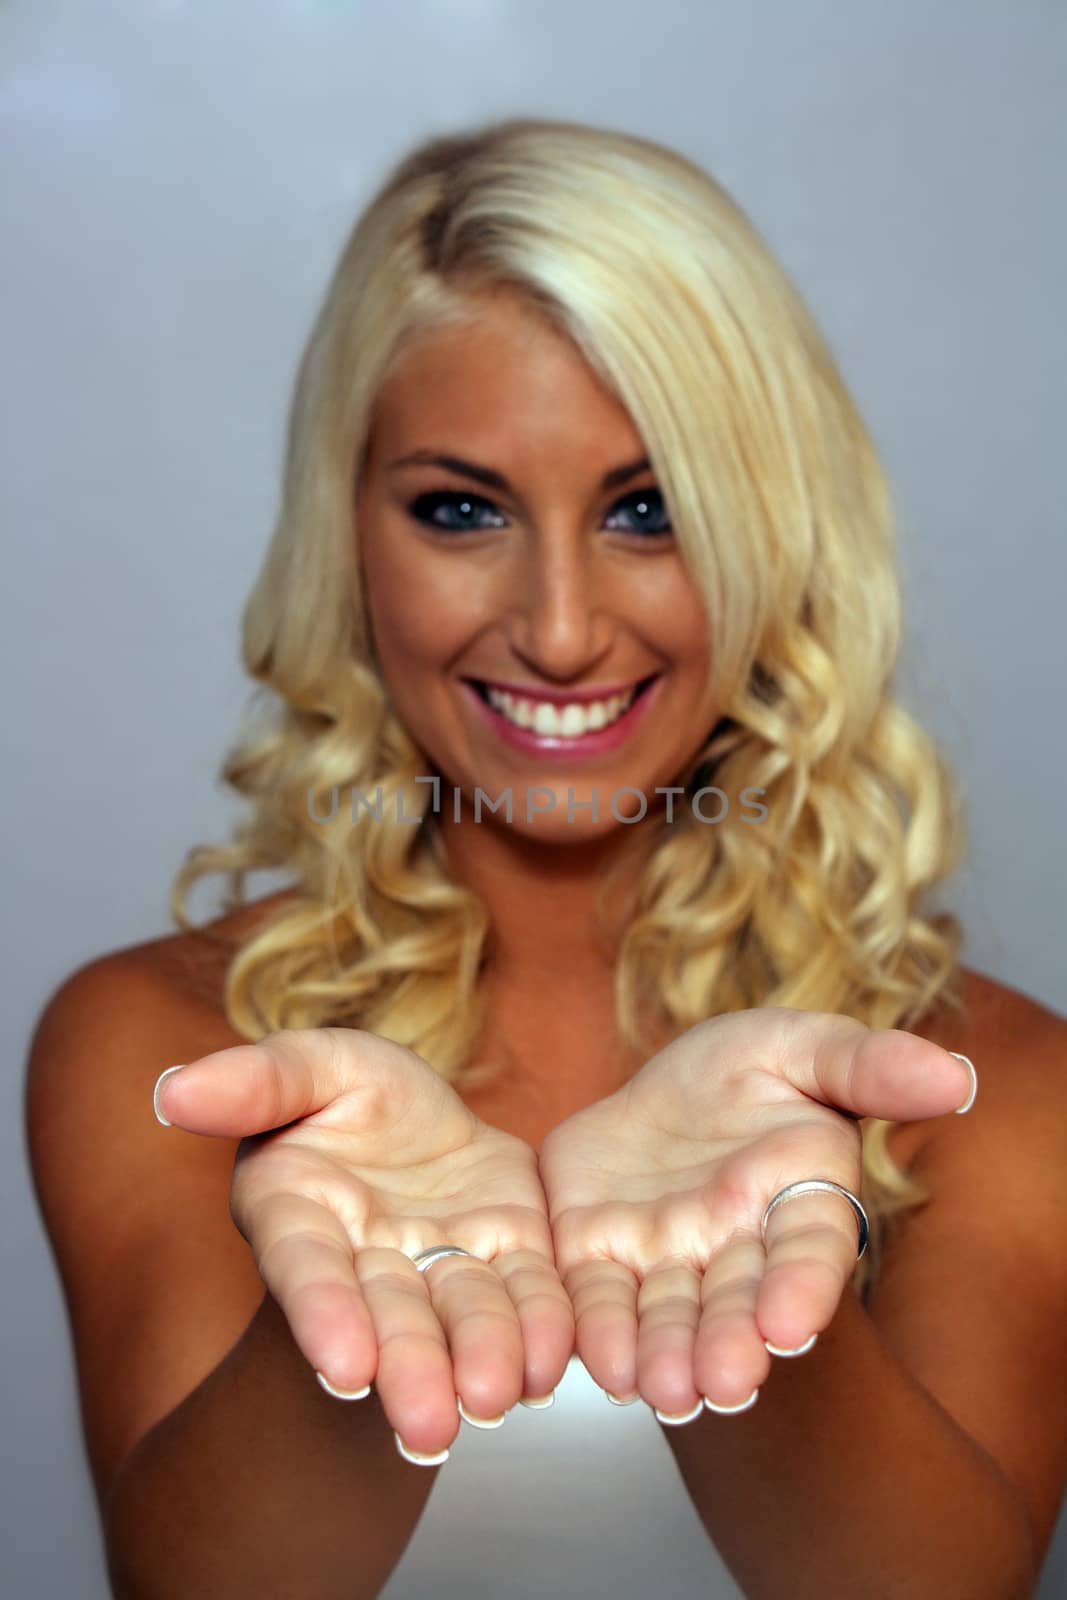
(604, 1297)
(884, 1073)
(668, 1308)
(252, 1088)
(481, 1326)
(304, 1257)
(546, 1320)
(414, 1378)
(810, 1248)
(730, 1359)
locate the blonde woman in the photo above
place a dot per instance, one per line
(608, 928)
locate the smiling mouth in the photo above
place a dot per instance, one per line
(570, 719)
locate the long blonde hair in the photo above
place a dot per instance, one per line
(783, 518)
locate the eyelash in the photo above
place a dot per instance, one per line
(423, 506)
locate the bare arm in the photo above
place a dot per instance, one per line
(848, 1477)
(259, 1482)
(920, 1447)
(221, 1466)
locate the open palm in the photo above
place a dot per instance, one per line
(354, 1157)
(656, 1196)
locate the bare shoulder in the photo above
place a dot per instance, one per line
(972, 1292)
(193, 964)
(1019, 1040)
(158, 1282)
(1019, 1049)
(112, 1025)
(109, 1029)
(181, 972)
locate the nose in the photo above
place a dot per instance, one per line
(560, 618)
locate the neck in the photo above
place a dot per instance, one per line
(542, 896)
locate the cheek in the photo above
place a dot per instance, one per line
(665, 599)
(684, 624)
(420, 615)
(389, 592)
(688, 646)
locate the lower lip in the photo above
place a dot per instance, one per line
(594, 743)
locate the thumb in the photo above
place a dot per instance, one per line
(883, 1072)
(252, 1088)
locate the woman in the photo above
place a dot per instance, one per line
(610, 847)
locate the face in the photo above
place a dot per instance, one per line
(533, 619)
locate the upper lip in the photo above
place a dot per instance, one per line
(539, 691)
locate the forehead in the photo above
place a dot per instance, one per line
(505, 383)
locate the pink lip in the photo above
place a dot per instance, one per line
(547, 744)
(561, 697)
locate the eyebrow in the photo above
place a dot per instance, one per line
(496, 480)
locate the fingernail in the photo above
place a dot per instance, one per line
(413, 1455)
(683, 1416)
(539, 1405)
(621, 1400)
(969, 1102)
(155, 1094)
(727, 1411)
(801, 1350)
(480, 1422)
(343, 1394)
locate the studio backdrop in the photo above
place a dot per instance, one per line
(176, 181)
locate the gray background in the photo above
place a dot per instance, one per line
(176, 181)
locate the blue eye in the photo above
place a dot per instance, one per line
(462, 506)
(647, 502)
(423, 507)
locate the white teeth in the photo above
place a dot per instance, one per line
(568, 721)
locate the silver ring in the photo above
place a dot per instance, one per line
(426, 1258)
(823, 1184)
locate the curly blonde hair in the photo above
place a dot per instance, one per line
(782, 515)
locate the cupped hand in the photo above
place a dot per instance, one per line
(656, 1196)
(354, 1156)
